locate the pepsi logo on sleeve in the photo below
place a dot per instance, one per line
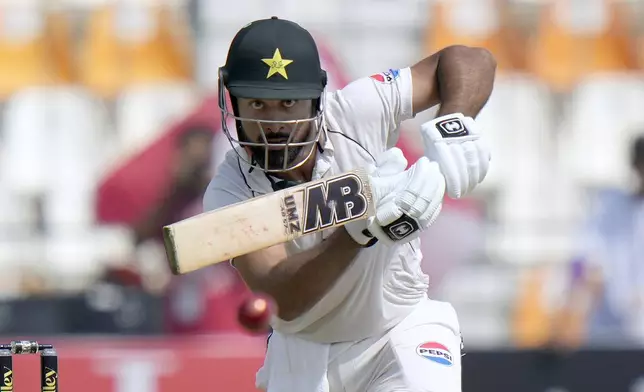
(435, 352)
(387, 76)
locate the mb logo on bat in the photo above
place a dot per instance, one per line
(336, 201)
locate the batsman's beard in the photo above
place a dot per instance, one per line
(276, 160)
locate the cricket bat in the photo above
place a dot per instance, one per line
(267, 220)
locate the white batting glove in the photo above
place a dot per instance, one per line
(407, 203)
(456, 143)
(389, 163)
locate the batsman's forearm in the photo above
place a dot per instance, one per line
(298, 282)
(465, 78)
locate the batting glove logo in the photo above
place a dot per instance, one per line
(401, 228)
(452, 127)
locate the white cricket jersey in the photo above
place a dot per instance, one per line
(383, 285)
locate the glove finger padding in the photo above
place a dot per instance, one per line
(412, 207)
(456, 143)
(387, 211)
(425, 182)
(451, 167)
(433, 195)
(439, 151)
(484, 156)
(390, 162)
(482, 147)
(471, 154)
(433, 213)
(461, 163)
(384, 187)
(388, 172)
(430, 135)
(406, 186)
(435, 201)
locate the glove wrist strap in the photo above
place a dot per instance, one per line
(402, 230)
(361, 235)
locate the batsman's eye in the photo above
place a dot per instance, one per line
(257, 105)
(289, 103)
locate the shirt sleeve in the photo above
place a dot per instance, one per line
(227, 187)
(370, 109)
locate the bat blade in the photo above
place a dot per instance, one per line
(264, 221)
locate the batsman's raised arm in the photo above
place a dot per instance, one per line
(459, 78)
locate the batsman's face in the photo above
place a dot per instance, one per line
(269, 128)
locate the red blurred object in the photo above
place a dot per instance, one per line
(205, 301)
(142, 364)
(255, 312)
(128, 192)
(123, 275)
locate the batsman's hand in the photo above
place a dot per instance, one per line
(457, 144)
(406, 201)
(389, 163)
(412, 202)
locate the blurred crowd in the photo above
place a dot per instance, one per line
(110, 129)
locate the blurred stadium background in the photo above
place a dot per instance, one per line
(110, 129)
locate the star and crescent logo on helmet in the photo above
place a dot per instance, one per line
(277, 65)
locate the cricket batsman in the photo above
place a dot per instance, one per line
(352, 308)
